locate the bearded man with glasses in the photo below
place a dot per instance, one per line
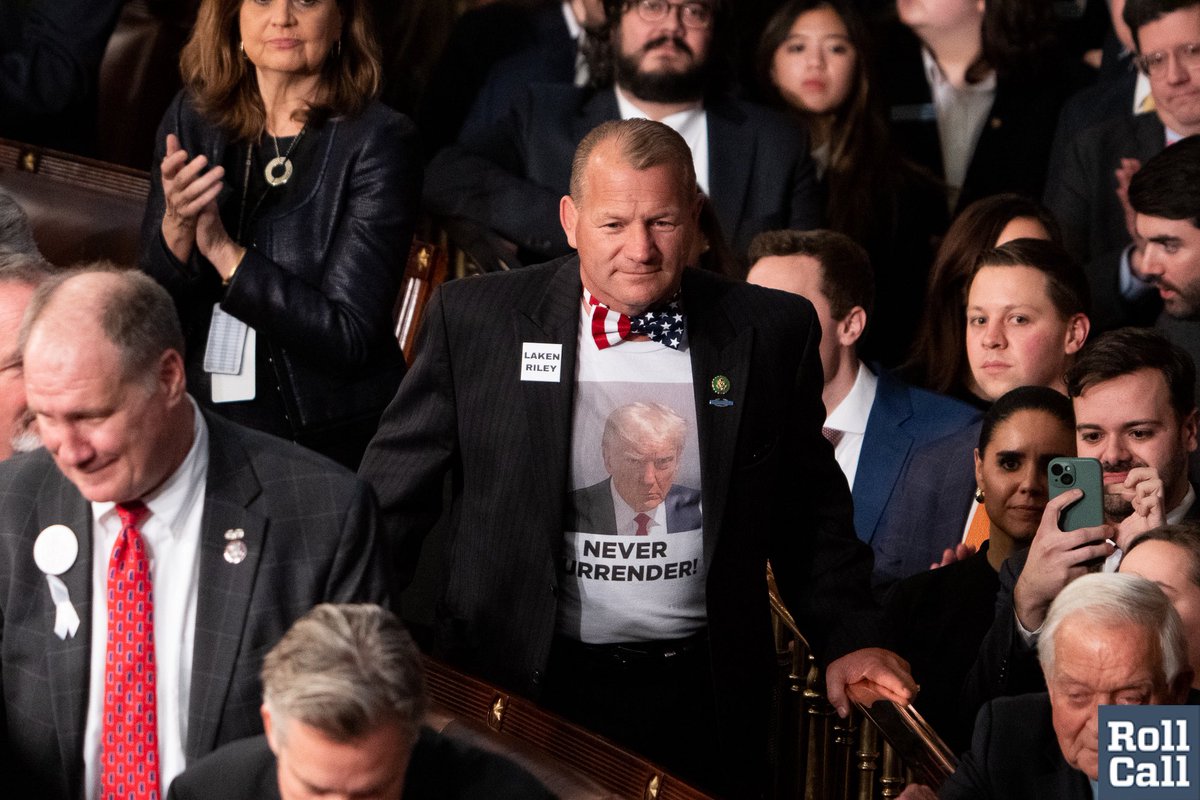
(663, 60)
(1089, 193)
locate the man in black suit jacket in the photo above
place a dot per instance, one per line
(509, 176)
(343, 701)
(240, 548)
(769, 484)
(1087, 193)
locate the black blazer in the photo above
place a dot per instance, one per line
(1014, 148)
(511, 175)
(321, 278)
(1082, 193)
(310, 533)
(1015, 754)
(770, 487)
(441, 768)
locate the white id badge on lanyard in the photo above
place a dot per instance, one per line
(229, 358)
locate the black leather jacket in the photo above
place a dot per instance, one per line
(321, 276)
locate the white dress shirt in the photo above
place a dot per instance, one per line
(850, 417)
(691, 124)
(171, 533)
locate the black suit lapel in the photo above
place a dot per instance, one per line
(553, 320)
(68, 661)
(225, 589)
(716, 348)
(731, 154)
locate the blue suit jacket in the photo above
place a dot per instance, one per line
(902, 419)
(933, 498)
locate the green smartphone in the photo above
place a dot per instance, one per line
(1067, 473)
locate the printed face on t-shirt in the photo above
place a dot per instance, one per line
(643, 472)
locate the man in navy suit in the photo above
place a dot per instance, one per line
(875, 420)
(751, 162)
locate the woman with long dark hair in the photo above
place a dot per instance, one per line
(813, 59)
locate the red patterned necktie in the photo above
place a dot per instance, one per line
(643, 523)
(666, 325)
(129, 747)
(832, 435)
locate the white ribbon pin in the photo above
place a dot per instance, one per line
(54, 552)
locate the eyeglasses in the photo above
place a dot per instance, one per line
(1155, 64)
(694, 15)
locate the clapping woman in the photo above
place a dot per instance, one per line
(281, 211)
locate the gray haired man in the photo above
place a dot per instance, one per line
(343, 700)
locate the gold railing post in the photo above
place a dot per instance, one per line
(892, 778)
(868, 760)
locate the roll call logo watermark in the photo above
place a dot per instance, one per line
(1149, 752)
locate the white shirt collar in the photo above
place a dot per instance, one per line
(852, 413)
(1176, 514)
(171, 501)
(573, 26)
(939, 83)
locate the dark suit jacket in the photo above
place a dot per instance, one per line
(929, 514)
(594, 512)
(506, 444)
(1097, 104)
(1082, 195)
(496, 40)
(938, 618)
(1014, 147)
(50, 53)
(902, 419)
(310, 533)
(1015, 754)
(318, 282)
(440, 769)
(510, 176)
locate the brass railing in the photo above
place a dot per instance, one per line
(871, 754)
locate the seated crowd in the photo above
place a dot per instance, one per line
(835, 335)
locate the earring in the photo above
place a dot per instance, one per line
(242, 48)
(979, 496)
(337, 49)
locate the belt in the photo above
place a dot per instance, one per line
(635, 653)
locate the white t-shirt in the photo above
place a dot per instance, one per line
(618, 586)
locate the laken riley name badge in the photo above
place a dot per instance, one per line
(541, 362)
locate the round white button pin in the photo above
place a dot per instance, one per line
(55, 549)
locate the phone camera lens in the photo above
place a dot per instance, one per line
(1056, 469)
(1068, 479)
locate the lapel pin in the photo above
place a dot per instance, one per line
(54, 551)
(720, 386)
(235, 551)
(233, 534)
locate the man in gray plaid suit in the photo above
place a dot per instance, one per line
(242, 533)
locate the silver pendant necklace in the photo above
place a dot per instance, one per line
(279, 169)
